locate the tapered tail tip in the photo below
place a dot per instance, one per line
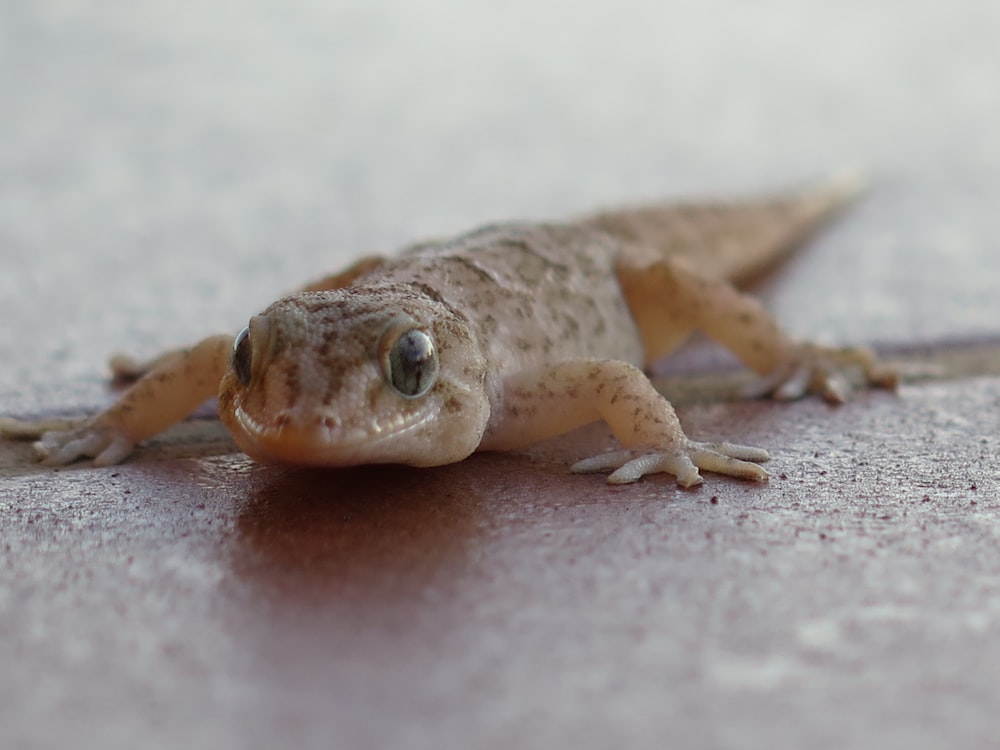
(847, 184)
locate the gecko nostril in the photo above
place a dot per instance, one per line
(282, 420)
(330, 422)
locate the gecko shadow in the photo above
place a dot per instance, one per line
(373, 531)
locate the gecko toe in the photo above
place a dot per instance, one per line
(823, 371)
(766, 385)
(739, 452)
(115, 452)
(835, 389)
(795, 385)
(720, 463)
(684, 463)
(882, 376)
(62, 447)
(680, 465)
(602, 463)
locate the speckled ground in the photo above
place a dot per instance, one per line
(164, 173)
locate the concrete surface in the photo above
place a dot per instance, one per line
(165, 171)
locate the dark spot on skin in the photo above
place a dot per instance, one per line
(453, 406)
(312, 303)
(428, 291)
(489, 324)
(484, 275)
(293, 380)
(373, 394)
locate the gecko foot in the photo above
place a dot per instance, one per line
(722, 458)
(60, 442)
(822, 371)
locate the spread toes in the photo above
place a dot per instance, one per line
(824, 372)
(684, 463)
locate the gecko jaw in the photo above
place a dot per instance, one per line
(324, 443)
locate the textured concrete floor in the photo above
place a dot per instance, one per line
(165, 173)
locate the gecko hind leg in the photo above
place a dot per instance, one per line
(669, 300)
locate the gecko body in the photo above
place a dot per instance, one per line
(495, 340)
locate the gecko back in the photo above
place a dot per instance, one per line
(731, 240)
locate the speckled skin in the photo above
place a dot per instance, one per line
(493, 341)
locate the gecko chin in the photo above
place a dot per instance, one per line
(320, 444)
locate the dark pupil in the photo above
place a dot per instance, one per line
(242, 356)
(412, 363)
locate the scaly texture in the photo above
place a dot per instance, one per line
(495, 340)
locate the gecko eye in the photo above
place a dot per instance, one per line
(411, 364)
(242, 359)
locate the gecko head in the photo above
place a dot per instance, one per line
(355, 376)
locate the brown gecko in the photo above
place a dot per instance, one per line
(495, 340)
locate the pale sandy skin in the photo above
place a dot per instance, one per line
(494, 340)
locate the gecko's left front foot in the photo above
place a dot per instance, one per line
(820, 370)
(722, 458)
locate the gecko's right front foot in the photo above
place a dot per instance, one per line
(61, 442)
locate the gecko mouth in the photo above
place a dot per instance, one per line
(324, 442)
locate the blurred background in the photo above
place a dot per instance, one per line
(168, 168)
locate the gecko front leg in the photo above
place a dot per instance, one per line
(552, 400)
(171, 390)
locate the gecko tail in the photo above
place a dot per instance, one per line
(736, 240)
(845, 185)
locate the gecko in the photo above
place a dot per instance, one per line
(493, 341)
